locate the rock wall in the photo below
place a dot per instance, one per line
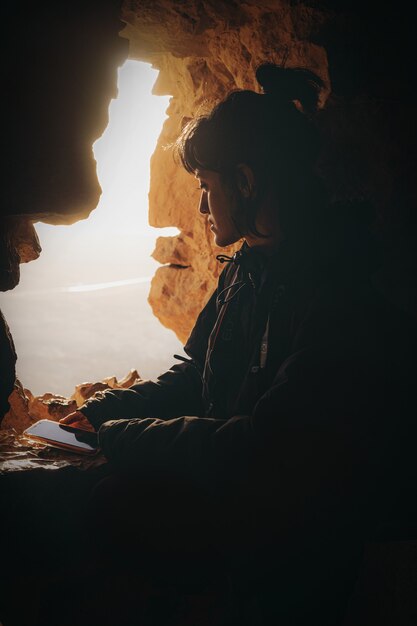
(61, 75)
(61, 63)
(203, 50)
(25, 409)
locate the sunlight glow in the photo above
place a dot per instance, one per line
(116, 240)
(80, 312)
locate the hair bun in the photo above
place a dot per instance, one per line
(287, 84)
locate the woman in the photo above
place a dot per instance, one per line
(273, 411)
(254, 157)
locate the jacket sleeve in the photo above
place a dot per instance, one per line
(298, 429)
(208, 451)
(176, 392)
(329, 436)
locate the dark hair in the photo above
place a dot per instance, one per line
(273, 132)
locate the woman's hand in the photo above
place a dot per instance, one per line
(77, 420)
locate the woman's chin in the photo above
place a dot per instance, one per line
(222, 241)
(219, 242)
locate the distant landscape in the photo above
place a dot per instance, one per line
(67, 330)
(66, 338)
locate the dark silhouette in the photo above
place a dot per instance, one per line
(259, 465)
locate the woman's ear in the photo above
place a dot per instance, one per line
(245, 180)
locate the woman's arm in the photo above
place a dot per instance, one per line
(316, 411)
(176, 392)
(285, 422)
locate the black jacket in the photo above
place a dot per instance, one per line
(298, 373)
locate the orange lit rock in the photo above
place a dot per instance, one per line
(18, 416)
(84, 391)
(203, 51)
(49, 406)
(26, 240)
(87, 390)
(60, 77)
(188, 277)
(25, 408)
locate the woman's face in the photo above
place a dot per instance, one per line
(217, 203)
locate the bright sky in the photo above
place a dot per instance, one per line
(116, 241)
(60, 328)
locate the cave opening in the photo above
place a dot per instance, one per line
(80, 312)
(203, 50)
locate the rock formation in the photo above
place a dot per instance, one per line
(204, 50)
(62, 59)
(61, 65)
(62, 76)
(25, 408)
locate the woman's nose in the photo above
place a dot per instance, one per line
(203, 206)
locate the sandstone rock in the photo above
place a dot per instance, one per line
(130, 379)
(84, 391)
(49, 406)
(60, 77)
(66, 58)
(87, 390)
(25, 408)
(17, 416)
(27, 241)
(184, 293)
(19, 243)
(203, 51)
